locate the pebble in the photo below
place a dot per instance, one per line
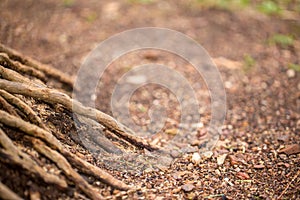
(171, 131)
(187, 187)
(176, 175)
(258, 166)
(283, 138)
(190, 166)
(175, 153)
(226, 179)
(282, 156)
(242, 175)
(291, 149)
(284, 164)
(221, 159)
(196, 158)
(207, 154)
(176, 190)
(291, 73)
(233, 160)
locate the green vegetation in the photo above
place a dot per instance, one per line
(224, 4)
(281, 40)
(141, 1)
(269, 8)
(91, 17)
(249, 62)
(295, 67)
(68, 3)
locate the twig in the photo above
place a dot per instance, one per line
(63, 164)
(46, 136)
(12, 153)
(54, 97)
(288, 185)
(14, 55)
(6, 193)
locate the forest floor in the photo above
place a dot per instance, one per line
(258, 154)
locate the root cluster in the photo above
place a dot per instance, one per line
(24, 80)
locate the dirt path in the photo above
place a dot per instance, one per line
(263, 88)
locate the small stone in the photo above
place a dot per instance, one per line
(242, 175)
(171, 131)
(190, 166)
(283, 156)
(283, 164)
(226, 179)
(176, 190)
(291, 73)
(176, 175)
(221, 159)
(287, 165)
(228, 84)
(187, 187)
(218, 172)
(283, 138)
(291, 149)
(207, 154)
(233, 160)
(191, 195)
(148, 170)
(258, 166)
(175, 153)
(196, 158)
(197, 125)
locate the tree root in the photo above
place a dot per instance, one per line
(22, 69)
(46, 136)
(6, 193)
(6, 106)
(20, 75)
(50, 71)
(32, 116)
(11, 75)
(63, 164)
(54, 97)
(12, 154)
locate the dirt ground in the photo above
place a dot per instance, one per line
(263, 91)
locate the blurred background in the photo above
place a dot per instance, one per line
(62, 32)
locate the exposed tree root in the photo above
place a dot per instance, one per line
(12, 154)
(22, 69)
(11, 75)
(24, 80)
(6, 193)
(50, 71)
(63, 164)
(32, 116)
(5, 105)
(54, 97)
(46, 136)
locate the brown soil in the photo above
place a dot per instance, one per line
(263, 115)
